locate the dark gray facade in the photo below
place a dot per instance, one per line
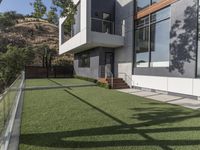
(97, 63)
(183, 44)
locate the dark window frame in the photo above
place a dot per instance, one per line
(84, 60)
(150, 4)
(149, 25)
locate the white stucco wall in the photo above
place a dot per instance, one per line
(186, 86)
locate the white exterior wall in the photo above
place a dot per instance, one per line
(87, 39)
(186, 86)
(80, 38)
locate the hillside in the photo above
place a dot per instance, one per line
(33, 32)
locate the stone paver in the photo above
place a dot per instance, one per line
(129, 90)
(145, 94)
(164, 98)
(186, 102)
(176, 100)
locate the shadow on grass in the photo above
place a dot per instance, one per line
(61, 139)
(56, 140)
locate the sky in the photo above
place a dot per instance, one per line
(21, 6)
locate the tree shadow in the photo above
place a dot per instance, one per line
(59, 139)
(184, 35)
(149, 118)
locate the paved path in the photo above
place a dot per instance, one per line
(176, 100)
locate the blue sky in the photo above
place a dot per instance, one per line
(20, 6)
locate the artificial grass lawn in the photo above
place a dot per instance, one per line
(97, 118)
(55, 82)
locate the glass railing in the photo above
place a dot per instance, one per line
(103, 26)
(8, 101)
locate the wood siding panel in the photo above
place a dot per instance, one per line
(153, 8)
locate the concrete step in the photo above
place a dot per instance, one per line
(118, 83)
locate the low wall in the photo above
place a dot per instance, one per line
(187, 86)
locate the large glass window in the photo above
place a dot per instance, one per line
(70, 30)
(142, 4)
(160, 38)
(103, 24)
(160, 44)
(142, 42)
(155, 1)
(152, 40)
(84, 60)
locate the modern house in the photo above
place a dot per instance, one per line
(151, 44)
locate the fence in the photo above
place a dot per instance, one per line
(54, 72)
(8, 107)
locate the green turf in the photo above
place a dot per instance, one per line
(55, 82)
(96, 118)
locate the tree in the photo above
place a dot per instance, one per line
(14, 61)
(45, 54)
(39, 9)
(9, 19)
(52, 17)
(68, 9)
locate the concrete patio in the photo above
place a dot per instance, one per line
(166, 98)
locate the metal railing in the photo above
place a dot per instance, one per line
(105, 72)
(128, 79)
(8, 107)
(109, 74)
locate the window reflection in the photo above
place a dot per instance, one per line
(142, 4)
(198, 58)
(152, 38)
(160, 40)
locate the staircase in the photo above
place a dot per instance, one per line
(118, 83)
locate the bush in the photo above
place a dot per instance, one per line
(13, 62)
(104, 85)
(85, 78)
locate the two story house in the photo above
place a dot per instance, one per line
(151, 44)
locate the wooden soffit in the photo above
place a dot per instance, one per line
(153, 8)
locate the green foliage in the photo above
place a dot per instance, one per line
(13, 61)
(9, 19)
(39, 9)
(85, 78)
(104, 85)
(46, 54)
(68, 9)
(52, 17)
(62, 61)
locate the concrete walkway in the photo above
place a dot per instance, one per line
(185, 102)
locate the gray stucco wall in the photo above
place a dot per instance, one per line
(124, 26)
(97, 60)
(183, 43)
(93, 70)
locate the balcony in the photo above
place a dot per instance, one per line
(93, 33)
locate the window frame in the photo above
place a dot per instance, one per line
(150, 4)
(82, 60)
(149, 45)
